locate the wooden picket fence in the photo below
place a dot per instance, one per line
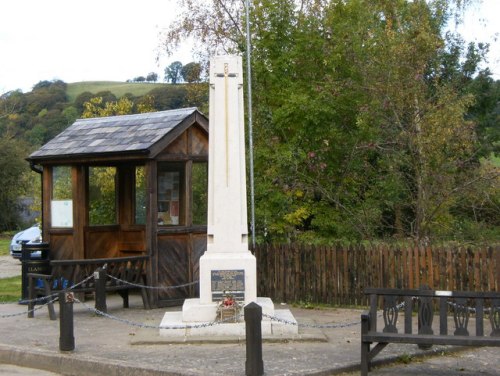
(338, 275)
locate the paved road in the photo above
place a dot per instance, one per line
(9, 267)
(7, 369)
(469, 362)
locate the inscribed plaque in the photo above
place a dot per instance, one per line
(228, 282)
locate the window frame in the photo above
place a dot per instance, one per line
(169, 167)
(116, 196)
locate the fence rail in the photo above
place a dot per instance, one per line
(338, 275)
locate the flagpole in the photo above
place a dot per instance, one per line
(250, 125)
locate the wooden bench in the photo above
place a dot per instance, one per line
(460, 304)
(66, 273)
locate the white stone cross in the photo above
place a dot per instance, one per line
(227, 267)
(227, 231)
(227, 196)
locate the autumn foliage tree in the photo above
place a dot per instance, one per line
(360, 115)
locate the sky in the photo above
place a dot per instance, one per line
(116, 40)
(111, 40)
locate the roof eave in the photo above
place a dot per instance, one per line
(142, 154)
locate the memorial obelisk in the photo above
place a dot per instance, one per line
(227, 268)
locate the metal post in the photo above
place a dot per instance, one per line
(254, 365)
(100, 290)
(250, 123)
(66, 337)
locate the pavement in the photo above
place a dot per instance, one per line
(124, 344)
(106, 346)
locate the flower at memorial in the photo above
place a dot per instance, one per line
(228, 301)
(228, 309)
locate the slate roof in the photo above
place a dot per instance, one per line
(114, 134)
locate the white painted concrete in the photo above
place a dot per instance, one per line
(227, 232)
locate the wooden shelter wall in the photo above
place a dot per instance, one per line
(62, 246)
(178, 264)
(198, 142)
(101, 242)
(192, 143)
(132, 242)
(173, 266)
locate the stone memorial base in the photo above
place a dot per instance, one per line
(241, 264)
(195, 314)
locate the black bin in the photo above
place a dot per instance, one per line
(34, 259)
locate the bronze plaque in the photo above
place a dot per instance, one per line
(228, 282)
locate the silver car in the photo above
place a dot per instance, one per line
(31, 234)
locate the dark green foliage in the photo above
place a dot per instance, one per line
(107, 96)
(360, 123)
(152, 77)
(13, 175)
(169, 97)
(191, 72)
(486, 111)
(81, 99)
(173, 72)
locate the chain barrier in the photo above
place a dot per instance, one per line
(469, 309)
(209, 324)
(45, 299)
(149, 326)
(153, 287)
(36, 308)
(454, 305)
(317, 326)
(81, 282)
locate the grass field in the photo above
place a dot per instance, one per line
(4, 244)
(10, 289)
(117, 88)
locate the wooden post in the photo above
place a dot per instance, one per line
(365, 346)
(254, 365)
(66, 337)
(100, 290)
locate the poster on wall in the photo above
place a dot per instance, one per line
(62, 213)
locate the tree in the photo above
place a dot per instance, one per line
(13, 174)
(215, 26)
(81, 99)
(191, 72)
(96, 108)
(360, 119)
(152, 77)
(173, 72)
(168, 97)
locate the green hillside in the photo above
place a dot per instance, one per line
(117, 88)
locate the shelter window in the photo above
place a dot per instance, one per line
(140, 195)
(170, 195)
(200, 192)
(102, 196)
(61, 205)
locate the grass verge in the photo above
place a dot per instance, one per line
(4, 244)
(10, 289)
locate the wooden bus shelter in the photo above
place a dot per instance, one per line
(130, 185)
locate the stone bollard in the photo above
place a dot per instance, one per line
(66, 337)
(254, 365)
(100, 290)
